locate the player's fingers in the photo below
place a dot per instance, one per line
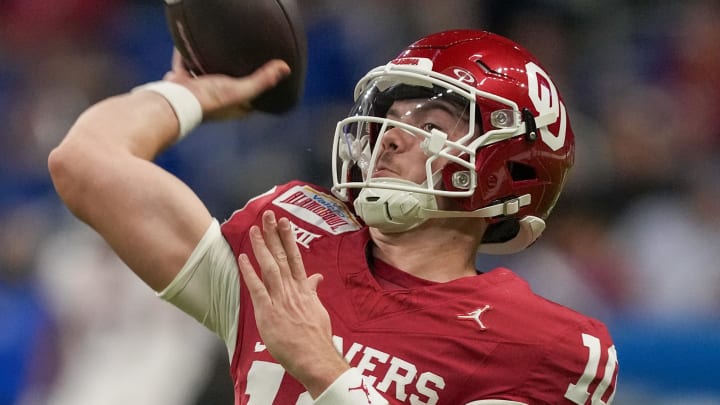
(240, 93)
(178, 70)
(274, 243)
(294, 258)
(269, 268)
(243, 90)
(264, 78)
(224, 97)
(258, 292)
(177, 60)
(314, 281)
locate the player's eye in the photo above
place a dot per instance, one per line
(429, 127)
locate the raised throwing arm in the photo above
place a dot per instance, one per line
(103, 169)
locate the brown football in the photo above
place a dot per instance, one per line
(235, 37)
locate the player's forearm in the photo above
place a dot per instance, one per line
(141, 123)
(102, 173)
(137, 125)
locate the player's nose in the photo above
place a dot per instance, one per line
(397, 139)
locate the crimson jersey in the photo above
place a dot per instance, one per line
(486, 337)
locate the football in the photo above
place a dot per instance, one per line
(235, 37)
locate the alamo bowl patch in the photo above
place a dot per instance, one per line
(319, 209)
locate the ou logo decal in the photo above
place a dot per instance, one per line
(464, 76)
(546, 101)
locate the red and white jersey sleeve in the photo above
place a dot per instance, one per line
(482, 340)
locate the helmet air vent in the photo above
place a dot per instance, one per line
(520, 171)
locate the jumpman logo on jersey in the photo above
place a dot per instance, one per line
(364, 389)
(475, 316)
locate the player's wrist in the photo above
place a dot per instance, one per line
(185, 105)
(319, 373)
(350, 388)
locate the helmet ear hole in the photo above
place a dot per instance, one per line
(520, 171)
(502, 231)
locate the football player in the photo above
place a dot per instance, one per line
(366, 293)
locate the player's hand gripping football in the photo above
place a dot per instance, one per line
(226, 97)
(293, 323)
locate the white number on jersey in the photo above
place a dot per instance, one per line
(263, 383)
(578, 392)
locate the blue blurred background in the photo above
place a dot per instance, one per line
(634, 241)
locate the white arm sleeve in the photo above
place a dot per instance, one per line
(207, 287)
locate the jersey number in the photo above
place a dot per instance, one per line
(579, 392)
(263, 383)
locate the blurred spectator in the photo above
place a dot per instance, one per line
(27, 324)
(671, 242)
(142, 351)
(694, 77)
(55, 68)
(30, 25)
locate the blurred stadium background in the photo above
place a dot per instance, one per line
(635, 240)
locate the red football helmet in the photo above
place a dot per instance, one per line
(509, 166)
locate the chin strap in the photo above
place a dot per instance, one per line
(393, 211)
(508, 207)
(530, 229)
